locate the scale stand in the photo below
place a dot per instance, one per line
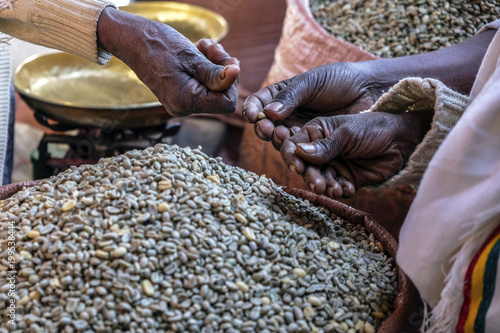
(88, 145)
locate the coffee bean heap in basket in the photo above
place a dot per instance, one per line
(170, 239)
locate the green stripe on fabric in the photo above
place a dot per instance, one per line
(489, 281)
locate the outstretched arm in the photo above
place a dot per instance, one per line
(183, 78)
(186, 79)
(342, 88)
(455, 66)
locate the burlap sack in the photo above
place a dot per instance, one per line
(406, 305)
(304, 45)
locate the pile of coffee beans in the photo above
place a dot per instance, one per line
(170, 239)
(397, 28)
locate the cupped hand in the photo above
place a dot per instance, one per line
(185, 79)
(340, 88)
(339, 154)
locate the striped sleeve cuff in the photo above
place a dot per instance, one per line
(66, 25)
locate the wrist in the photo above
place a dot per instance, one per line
(104, 29)
(379, 76)
(116, 31)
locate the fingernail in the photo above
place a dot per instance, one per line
(308, 147)
(275, 107)
(295, 130)
(223, 73)
(292, 168)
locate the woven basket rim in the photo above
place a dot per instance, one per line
(404, 301)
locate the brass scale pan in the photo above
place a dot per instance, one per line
(77, 92)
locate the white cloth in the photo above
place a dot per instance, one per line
(458, 202)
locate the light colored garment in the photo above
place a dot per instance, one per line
(415, 94)
(457, 206)
(5, 114)
(66, 25)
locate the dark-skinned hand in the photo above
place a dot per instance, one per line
(339, 154)
(185, 79)
(340, 88)
(347, 88)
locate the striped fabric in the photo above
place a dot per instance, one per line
(5, 79)
(65, 25)
(479, 286)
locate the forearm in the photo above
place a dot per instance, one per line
(116, 31)
(139, 42)
(67, 25)
(455, 66)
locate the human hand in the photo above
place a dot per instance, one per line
(185, 79)
(339, 154)
(340, 88)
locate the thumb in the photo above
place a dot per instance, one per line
(216, 77)
(321, 151)
(287, 100)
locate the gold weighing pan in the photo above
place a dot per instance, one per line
(78, 93)
(192, 21)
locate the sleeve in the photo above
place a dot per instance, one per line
(416, 94)
(66, 25)
(492, 25)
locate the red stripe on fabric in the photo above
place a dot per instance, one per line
(464, 311)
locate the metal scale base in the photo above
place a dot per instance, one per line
(88, 145)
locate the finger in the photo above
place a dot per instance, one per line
(197, 99)
(280, 134)
(333, 188)
(314, 179)
(251, 109)
(264, 129)
(215, 52)
(292, 161)
(255, 103)
(289, 150)
(294, 129)
(219, 56)
(342, 170)
(203, 45)
(216, 77)
(288, 99)
(320, 151)
(348, 189)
